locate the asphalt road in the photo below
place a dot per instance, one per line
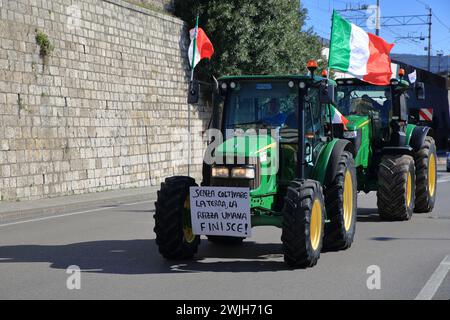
(115, 248)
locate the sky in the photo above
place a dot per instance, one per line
(320, 11)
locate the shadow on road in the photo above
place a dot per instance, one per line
(368, 215)
(141, 257)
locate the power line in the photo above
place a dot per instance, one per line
(442, 23)
(434, 14)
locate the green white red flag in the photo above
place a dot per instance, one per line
(200, 48)
(361, 54)
(337, 117)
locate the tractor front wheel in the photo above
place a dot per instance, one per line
(426, 175)
(303, 223)
(173, 229)
(340, 202)
(396, 187)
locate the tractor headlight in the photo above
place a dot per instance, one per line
(244, 173)
(350, 134)
(220, 172)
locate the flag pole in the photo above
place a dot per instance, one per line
(194, 49)
(331, 42)
(192, 88)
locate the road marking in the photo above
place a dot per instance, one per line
(70, 214)
(444, 180)
(140, 202)
(433, 284)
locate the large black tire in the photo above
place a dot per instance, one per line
(341, 205)
(224, 240)
(304, 207)
(396, 187)
(426, 176)
(172, 220)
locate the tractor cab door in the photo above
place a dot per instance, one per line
(314, 131)
(314, 128)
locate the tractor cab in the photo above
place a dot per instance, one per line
(279, 118)
(383, 106)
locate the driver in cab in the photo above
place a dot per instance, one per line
(366, 104)
(274, 117)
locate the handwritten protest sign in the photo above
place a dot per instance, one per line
(220, 211)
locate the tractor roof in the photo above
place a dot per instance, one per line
(274, 77)
(355, 81)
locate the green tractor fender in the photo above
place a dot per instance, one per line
(415, 138)
(417, 135)
(327, 163)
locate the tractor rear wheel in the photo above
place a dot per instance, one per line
(224, 240)
(173, 228)
(340, 202)
(303, 223)
(396, 187)
(426, 176)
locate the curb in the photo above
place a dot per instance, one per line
(18, 214)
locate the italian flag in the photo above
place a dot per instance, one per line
(362, 54)
(200, 48)
(338, 118)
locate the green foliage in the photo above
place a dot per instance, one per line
(253, 37)
(46, 47)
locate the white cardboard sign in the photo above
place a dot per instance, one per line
(220, 211)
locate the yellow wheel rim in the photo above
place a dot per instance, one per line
(188, 234)
(432, 175)
(348, 200)
(408, 189)
(315, 232)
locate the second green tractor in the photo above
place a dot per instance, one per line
(394, 158)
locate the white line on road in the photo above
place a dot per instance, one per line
(433, 284)
(70, 214)
(443, 180)
(132, 204)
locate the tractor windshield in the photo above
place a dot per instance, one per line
(374, 101)
(254, 105)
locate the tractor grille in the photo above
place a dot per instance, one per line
(240, 183)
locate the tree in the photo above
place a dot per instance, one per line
(253, 36)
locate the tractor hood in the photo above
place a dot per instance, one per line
(247, 146)
(356, 122)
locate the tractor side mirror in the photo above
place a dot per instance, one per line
(194, 92)
(420, 91)
(327, 94)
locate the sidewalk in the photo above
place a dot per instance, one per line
(13, 211)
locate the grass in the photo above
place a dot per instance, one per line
(46, 47)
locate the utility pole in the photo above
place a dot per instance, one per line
(430, 16)
(396, 21)
(378, 18)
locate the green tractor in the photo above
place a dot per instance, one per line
(312, 193)
(393, 157)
